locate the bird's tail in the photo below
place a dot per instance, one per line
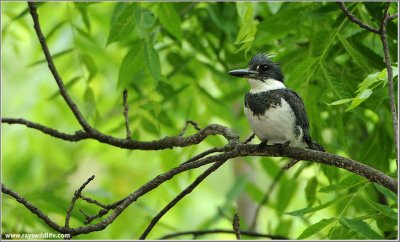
(315, 146)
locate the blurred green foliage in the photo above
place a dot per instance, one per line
(173, 59)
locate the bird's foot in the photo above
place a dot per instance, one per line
(281, 147)
(263, 145)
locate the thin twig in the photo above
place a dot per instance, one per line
(34, 209)
(355, 20)
(74, 198)
(236, 225)
(90, 218)
(160, 144)
(181, 195)
(389, 70)
(250, 138)
(392, 17)
(223, 231)
(194, 124)
(289, 165)
(124, 98)
(204, 154)
(91, 200)
(78, 136)
(63, 91)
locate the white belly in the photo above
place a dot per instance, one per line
(276, 126)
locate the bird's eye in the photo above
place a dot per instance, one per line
(263, 67)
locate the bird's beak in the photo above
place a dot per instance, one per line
(246, 73)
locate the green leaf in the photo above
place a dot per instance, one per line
(248, 27)
(237, 188)
(360, 99)
(386, 224)
(286, 189)
(254, 192)
(170, 19)
(132, 67)
(152, 61)
(364, 90)
(311, 191)
(339, 102)
(361, 228)
(54, 29)
(123, 25)
(68, 85)
(145, 18)
(347, 182)
(90, 103)
(82, 7)
(386, 192)
(303, 211)
(355, 55)
(150, 126)
(54, 57)
(315, 228)
(342, 232)
(382, 208)
(90, 66)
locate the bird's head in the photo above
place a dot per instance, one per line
(260, 68)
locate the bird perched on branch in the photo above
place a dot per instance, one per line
(276, 114)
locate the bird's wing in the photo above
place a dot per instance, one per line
(298, 108)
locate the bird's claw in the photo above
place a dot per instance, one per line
(263, 145)
(281, 147)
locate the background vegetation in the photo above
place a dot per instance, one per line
(173, 58)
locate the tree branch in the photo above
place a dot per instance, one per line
(240, 150)
(188, 190)
(74, 198)
(392, 17)
(357, 21)
(236, 225)
(79, 135)
(222, 231)
(231, 150)
(161, 144)
(124, 98)
(71, 104)
(382, 33)
(33, 209)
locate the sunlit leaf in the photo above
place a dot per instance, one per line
(342, 101)
(55, 56)
(68, 85)
(90, 64)
(145, 18)
(132, 67)
(152, 61)
(54, 29)
(311, 191)
(248, 27)
(170, 20)
(123, 25)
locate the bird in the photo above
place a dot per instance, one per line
(276, 114)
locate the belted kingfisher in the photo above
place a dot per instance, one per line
(276, 114)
